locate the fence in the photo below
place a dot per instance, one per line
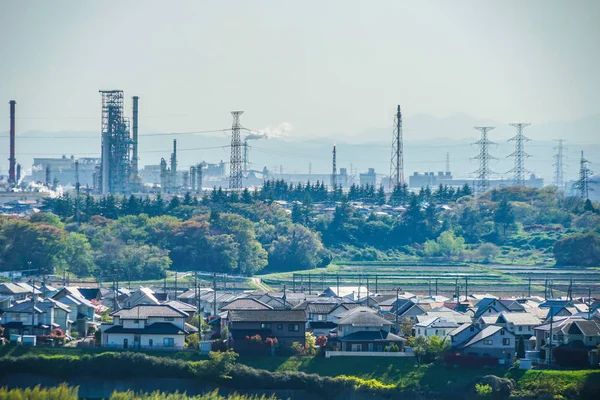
(329, 354)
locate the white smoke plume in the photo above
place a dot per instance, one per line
(281, 130)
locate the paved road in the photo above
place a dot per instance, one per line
(259, 284)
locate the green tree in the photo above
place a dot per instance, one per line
(504, 216)
(488, 252)
(578, 249)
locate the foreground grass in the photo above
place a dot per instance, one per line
(64, 392)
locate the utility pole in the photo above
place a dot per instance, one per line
(529, 287)
(397, 160)
(77, 192)
(235, 164)
(466, 288)
(397, 303)
(484, 157)
(559, 180)
(550, 348)
(519, 154)
(214, 294)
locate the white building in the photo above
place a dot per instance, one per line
(437, 326)
(157, 326)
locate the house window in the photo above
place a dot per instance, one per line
(150, 342)
(169, 319)
(472, 329)
(436, 332)
(169, 342)
(419, 331)
(502, 332)
(265, 326)
(293, 327)
(487, 342)
(136, 321)
(520, 329)
(589, 338)
(279, 327)
(506, 342)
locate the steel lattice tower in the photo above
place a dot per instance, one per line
(559, 180)
(484, 157)
(447, 163)
(334, 171)
(582, 185)
(116, 143)
(397, 161)
(519, 154)
(235, 162)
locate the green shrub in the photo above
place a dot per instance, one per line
(483, 390)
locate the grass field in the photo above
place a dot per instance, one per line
(421, 278)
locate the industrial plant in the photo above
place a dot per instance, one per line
(117, 170)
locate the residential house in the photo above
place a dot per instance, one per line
(569, 331)
(6, 301)
(447, 314)
(146, 326)
(83, 312)
(287, 326)
(522, 324)
(353, 293)
(437, 326)
(493, 306)
(493, 341)
(142, 296)
(214, 301)
(363, 329)
(37, 318)
(11, 289)
(463, 333)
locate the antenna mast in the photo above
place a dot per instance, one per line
(397, 161)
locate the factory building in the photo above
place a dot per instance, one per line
(418, 180)
(47, 170)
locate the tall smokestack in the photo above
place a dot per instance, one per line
(134, 160)
(12, 160)
(174, 165)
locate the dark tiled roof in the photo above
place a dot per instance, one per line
(364, 318)
(246, 304)
(588, 327)
(320, 308)
(150, 310)
(370, 336)
(267, 316)
(157, 328)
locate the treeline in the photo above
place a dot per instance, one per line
(112, 235)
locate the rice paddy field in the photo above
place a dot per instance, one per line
(422, 278)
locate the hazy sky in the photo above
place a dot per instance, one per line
(325, 67)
